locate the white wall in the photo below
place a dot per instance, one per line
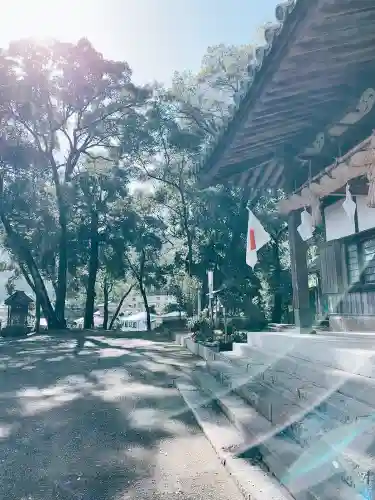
(366, 215)
(338, 224)
(134, 302)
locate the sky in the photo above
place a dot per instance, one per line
(156, 37)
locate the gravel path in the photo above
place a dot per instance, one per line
(101, 421)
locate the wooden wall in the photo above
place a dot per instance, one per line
(349, 308)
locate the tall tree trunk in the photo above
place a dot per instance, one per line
(30, 269)
(118, 309)
(62, 271)
(277, 310)
(189, 238)
(106, 300)
(147, 307)
(37, 314)
(93, 271)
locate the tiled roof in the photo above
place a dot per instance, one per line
(271, 34)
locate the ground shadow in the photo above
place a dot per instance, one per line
(82, 418)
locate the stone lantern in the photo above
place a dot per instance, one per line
(18, 311)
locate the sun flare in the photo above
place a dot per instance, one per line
(41, 19)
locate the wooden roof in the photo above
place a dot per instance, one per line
(309, 87)
(18, 297)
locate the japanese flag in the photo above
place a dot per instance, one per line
(257, 237)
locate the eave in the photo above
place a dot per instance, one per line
(309, 83)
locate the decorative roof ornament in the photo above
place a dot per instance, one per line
(271, 31)
(366, 102)
(349, 205)
(284, 9)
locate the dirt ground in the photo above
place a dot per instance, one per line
(99, 418)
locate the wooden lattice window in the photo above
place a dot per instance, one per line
(361, 261)
(368, 256)
(354, 272)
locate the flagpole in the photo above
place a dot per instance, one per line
(210, 278)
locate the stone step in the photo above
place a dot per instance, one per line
(351, 359)
(280, 327)
(276, 405)
(291, 397)
(279, 452)
(237, 411)
(264, 396)
(309, 379)
(253, 481)
(279, 339)
(308, 426)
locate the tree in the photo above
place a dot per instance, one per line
(114, 275)
(25, 221)
(164, 155)
(103, 187)
(65, 101)
(275, 263)
(143, 257)
(204, 101)
(118, 308)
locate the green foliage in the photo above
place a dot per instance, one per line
(74, 133)
(61, 104)
(171, 308)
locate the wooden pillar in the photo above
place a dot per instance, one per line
(303, 313)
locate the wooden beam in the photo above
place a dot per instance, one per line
(231, 169)
(269, 137)
(303, 314)
(256, 173)
(331, 58)
(276, 177)
(322, 70)
(332, 11)
(303, 95)
(301, 115)
(334, 34)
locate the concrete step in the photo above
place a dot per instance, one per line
(282, 397)
(310, 380)
(350, 359)
(243, 376)
(253, 481)
(310, 428)
(243, 416)
(275, 405)
(292, 338)
(279, 453)
(282, 327)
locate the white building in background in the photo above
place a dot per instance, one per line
(138, 322)
(158, 298)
